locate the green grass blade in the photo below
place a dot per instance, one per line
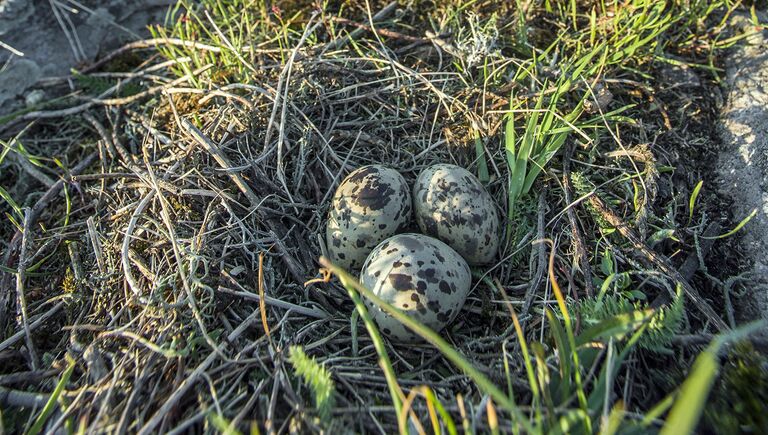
(351, 285)
(617, 326)
(580, 393)
(516, 167)
(483, 383)
(542, 159)
(613, 423)
(14, 205)
(658, 410)
(51, 404)
(543, 378)
(689, 405)
(482, 165)
(736, 229)
(531, 132)
(4, 151)
(563, 353)
(692, 199)
(223, 426)
(528, 367)
(601, 385)
(447, 419)
(568, 422)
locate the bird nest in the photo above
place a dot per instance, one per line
(177, 256)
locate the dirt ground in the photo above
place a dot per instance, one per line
(743, 162)
(43, 40)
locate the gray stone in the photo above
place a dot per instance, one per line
(17, 76)
(743, 163)
(13, 12)
(93, 27)
(34, 98)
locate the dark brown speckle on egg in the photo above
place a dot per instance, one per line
(451, 204)
(371, 204)
(418, 274)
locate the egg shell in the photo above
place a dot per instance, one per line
(372, 204)
(452, 205)
(420, 275)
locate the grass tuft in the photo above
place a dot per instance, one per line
(317, 377)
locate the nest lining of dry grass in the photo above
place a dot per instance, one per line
(201, 212)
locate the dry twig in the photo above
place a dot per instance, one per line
(659, 261)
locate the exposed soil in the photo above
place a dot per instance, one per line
(743, 163)
(66, 38)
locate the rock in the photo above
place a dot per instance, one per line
(13, 12)
(600, 99)
(35, 97)
(93, 27)
(743, 163)
(679, 74)
(17, 77)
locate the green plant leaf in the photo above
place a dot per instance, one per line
(51, 404)
(692, 199)
(616, 327)
(317, 377)
(685, 413)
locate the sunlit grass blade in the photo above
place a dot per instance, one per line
(447, 420)
(611, 425)
(493, 419)
(736, 228)
(352, 287)
(692, 200)
(483, 383)
(223, 426)
(51, 404)
(14, 205)
(685, 413)
(543, 379)
(615, 327)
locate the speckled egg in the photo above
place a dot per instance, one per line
(420, 275)
(451, 205)
(370, 205)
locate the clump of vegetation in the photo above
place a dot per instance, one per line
(660, 329)
(740, 393)
(317, 377)
(196, 184)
